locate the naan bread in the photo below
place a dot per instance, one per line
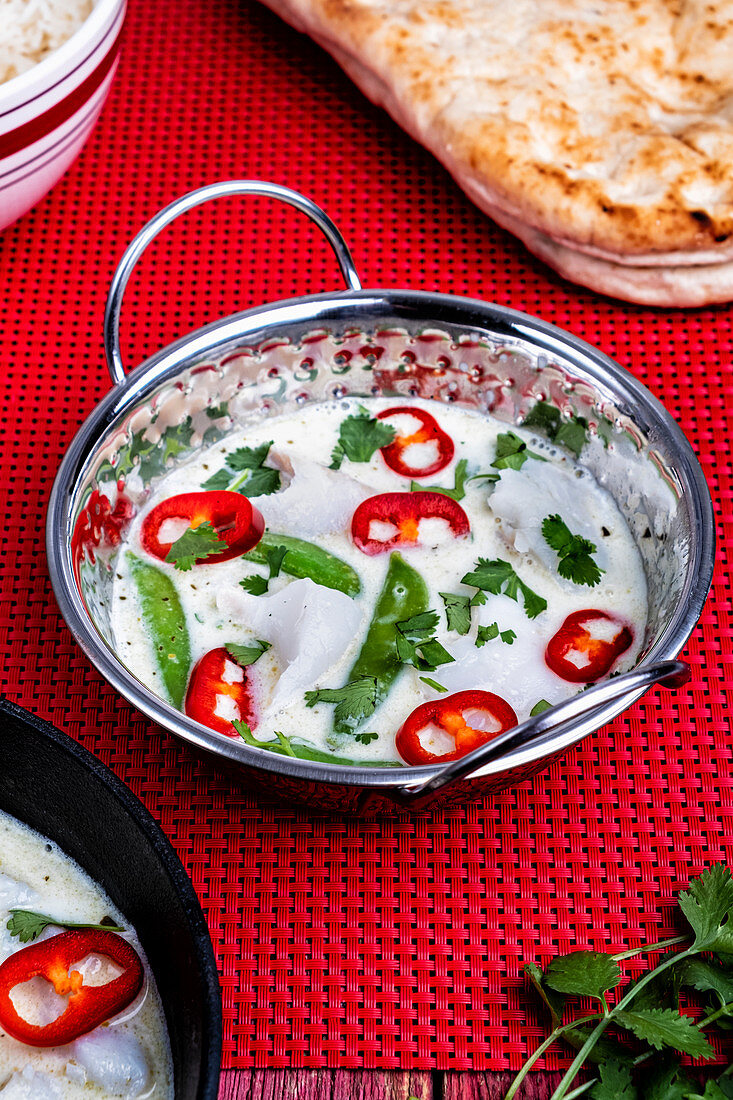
(600, 132)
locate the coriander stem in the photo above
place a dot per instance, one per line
(561, 1092)
(556, 1034)
(661, 945)
(581, 1089)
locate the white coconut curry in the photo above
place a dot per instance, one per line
(377, 581)
(79, 1012)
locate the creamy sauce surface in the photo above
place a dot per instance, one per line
(129, 1056)
(316, 633)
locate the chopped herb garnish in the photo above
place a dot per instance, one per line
(366, 738)
(572, 434)
(257, 585)
(539, 708)
(302, 750)
(247, 654)
(416, 644)
(433, 684)
(354, 701)
(360, 436)
(27, 925)
(575, 561)
(512, 452)
(485, 634)
(499, 578)
(195, 544)
(457, 611)
(458, 491)
(245, 472)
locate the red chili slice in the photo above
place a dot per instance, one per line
(428, 432)
(403, 512)
(468, 719)
(239, 525)
(216, 679)
(581, 654)
(88, 1005)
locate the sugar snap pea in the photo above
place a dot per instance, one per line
(404, 594)
(165, 624)
(305, 559)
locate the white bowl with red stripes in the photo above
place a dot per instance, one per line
(47, 113)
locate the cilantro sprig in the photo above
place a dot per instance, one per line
(195, 544)
(417, 644)
(27, 925)
(647, 1009)
(574, 552)
(499, 578)
(572, 433)
(354, 701)
(256, 584)
(246, 655)
(486, 634)
(458, 491)
(512, 452)
(360, 436)
(245, 472)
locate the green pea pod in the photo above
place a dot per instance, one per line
(404, 594)
(305, 559)
(165, 624)
(285, 747)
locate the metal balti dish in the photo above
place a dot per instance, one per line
(55, 786)
(365, 342)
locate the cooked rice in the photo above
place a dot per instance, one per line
(32, 29)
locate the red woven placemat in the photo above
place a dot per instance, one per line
(392, 943)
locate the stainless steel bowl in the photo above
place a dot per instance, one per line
(365, 342)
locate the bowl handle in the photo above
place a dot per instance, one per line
(549, 725)
(201, 195)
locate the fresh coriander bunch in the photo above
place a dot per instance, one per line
(647, 1009)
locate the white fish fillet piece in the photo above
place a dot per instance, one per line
(114, 1060)
(317, 501)
(309, 625)
(29, 1084)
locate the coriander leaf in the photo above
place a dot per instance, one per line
(415, 644)
(27, 925)
(708, 906)
(615, 1083)
(354, 701)
(665, 1080)
(258, 483)
(216, 412)
(706, 977)
(360, 436)
(247, 654)
(433, 684)
(485, 477)
(540, 706)
(458, 491)
(284, 746)
(499, 578)
(275, 555)
(485, 634)
(572, 434)
(256, 585)
(248, 458)
(195, 544)
(457, 611)
(664, 1027)
(512, 452)
(574, 552)
(365, 738)
(220, 480)
(544, 416)
(713, 1091)
(585, 973)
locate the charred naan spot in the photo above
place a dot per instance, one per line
(701, 217)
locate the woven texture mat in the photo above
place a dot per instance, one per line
(345, 943)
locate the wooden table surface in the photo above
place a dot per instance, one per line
(327, 1084)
